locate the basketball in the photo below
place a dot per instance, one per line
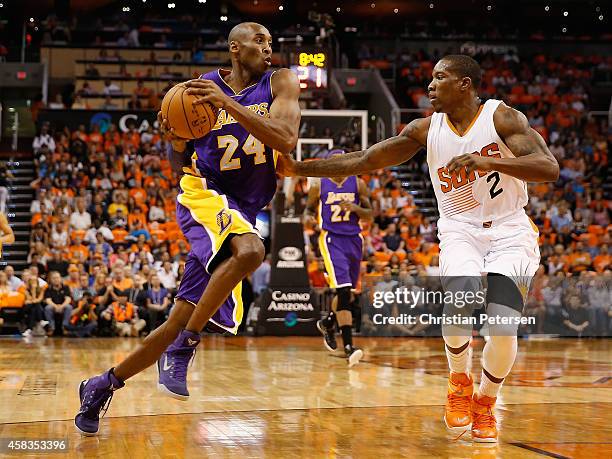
(189, 121)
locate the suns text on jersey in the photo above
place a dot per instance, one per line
(459, 178)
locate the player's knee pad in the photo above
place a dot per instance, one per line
(344, 298)
(503, 290)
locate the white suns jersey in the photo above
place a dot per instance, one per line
(480, 196)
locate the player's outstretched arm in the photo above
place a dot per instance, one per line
(280, 130)
(389, 152)
(533, 163)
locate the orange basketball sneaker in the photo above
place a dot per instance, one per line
(457, 414)
(484, 424)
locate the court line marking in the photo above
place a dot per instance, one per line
(539, 450)
(267, 410)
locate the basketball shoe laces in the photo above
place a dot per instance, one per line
(459, 403)
(97, 401)
(486, 419)
(178, 366)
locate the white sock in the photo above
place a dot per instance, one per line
(488, 387)
(459, 363)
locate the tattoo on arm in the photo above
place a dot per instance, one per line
(389, 152)
(534, 162)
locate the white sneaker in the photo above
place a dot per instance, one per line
(43, 323)
(353, 356)
(27, 333)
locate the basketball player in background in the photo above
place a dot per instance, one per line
(340, 203)
(479, 157)
(229, 177)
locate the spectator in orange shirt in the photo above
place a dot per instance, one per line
(138, 193)
(42, 217)
(112, 138)
(131, 137)
(414, 240)
(95, 136)
(120, 235)
(126, 321)
(78, 252)
(158, 235)
(602, 261)
(136, 219)
(81, 181)
(140, 245)
(423, 256)
(580, 259)
(121, 284)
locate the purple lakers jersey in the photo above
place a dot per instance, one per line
(331, 216)
(231, 159)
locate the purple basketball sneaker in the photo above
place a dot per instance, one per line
(96, 394)
(173, 363)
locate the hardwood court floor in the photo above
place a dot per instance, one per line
(287, 397)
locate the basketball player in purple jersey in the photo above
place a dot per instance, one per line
(340, 203)
(230, 177)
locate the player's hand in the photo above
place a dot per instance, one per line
(310, 220)
(208, 91)
(348, 206)
(178, 143)
(285, 165)
(472, 162)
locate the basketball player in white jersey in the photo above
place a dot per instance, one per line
(479, 157)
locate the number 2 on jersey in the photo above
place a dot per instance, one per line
(251, 146)
(336, 211)
(493, 191)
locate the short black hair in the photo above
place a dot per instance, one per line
(465, 66)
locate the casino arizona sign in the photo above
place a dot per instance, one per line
(290, 301)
